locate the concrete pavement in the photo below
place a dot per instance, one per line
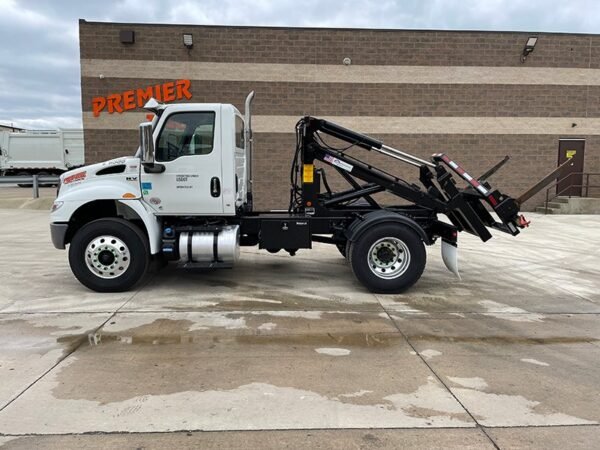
(12, 196)
(293, 352)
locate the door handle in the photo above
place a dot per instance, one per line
(215, 187)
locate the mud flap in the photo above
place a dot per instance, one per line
(450, 257)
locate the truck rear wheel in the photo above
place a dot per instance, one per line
(388, 258)
(109, 255)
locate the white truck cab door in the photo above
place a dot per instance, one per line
(188, 144)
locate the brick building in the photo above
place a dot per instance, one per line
(469, 94)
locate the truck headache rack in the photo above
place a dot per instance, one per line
(465, 207)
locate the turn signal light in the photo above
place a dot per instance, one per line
(56, 205)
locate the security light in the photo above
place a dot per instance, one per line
(529, 47)
(188, 40)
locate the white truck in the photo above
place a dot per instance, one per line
(186, 197)
(44, 152)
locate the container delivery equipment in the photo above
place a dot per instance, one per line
(186, 197)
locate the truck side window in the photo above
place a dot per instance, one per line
(239, 132)
(186, 134)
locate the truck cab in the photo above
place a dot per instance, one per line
(197, 168)
(199, 165)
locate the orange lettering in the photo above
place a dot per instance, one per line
(169, 92)
(98, 104)
(143, 95)
(183, 87)
(114, 101)
(129, 100)
(158, 92)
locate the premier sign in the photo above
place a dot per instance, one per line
(136, 98)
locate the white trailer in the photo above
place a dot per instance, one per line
(41, 152)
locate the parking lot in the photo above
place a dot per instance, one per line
(293, 352)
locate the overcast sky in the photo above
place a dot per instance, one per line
(39, 50)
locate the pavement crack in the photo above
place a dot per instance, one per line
(433, 372)
(72, 350)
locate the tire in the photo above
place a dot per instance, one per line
(388, 258)
(24, 185)
(93, 245)
(45, 174)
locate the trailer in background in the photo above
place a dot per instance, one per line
(41, 152)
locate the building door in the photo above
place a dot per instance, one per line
(571, 178)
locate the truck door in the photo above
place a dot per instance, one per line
(189, 146)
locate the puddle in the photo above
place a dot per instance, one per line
(43, 333)
(360, 340)
(503, 340)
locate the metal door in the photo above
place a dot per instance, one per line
(189, 146)
(572, 179)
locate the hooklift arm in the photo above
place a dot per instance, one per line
(310, 146)
(463, 206)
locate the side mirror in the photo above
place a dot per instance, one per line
(147, 143)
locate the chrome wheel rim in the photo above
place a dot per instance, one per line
(107, 257)
(388, 258)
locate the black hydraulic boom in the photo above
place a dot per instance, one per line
(439, 193)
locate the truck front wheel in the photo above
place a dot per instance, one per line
(109, 255)
(388, 258)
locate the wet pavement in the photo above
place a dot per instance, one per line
(293, 352)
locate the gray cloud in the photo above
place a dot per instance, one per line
(39, 56)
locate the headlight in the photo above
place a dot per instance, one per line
(56, 206)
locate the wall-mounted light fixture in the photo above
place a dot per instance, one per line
(188, 40)
(529, 47)
(347, 61)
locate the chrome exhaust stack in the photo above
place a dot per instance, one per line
(248, 138)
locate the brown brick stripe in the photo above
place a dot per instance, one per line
(358, 99)
(330, 46)
(532, 156)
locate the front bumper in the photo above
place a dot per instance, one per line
(58, 233)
